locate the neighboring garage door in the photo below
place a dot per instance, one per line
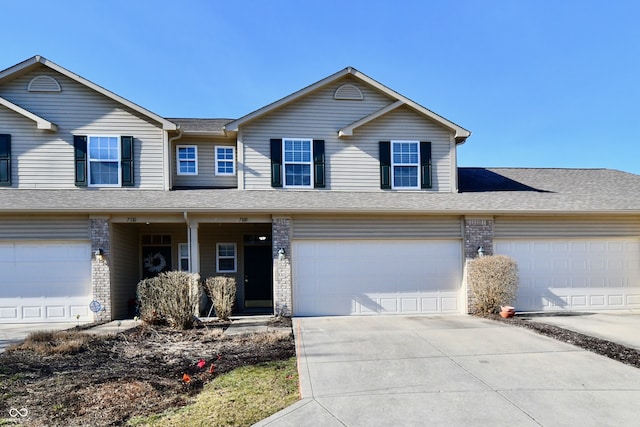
(44, 281)
(352, 277)
(575, 274)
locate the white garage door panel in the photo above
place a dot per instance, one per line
(369, 277)
(44, 281)
(575, 274)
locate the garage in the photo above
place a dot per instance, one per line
(364, 277)
(44, 281)
(575, 274)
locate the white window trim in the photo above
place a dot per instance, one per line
(393, 165)
(195, 150)
(233, 159)
(118, 162)
(235, 257)
(180, 257)
(285, 163)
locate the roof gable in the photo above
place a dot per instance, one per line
(460, 133)
(25, 66)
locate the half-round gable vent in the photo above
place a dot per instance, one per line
(348, 92)
(44, 84)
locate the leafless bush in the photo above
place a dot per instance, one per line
(493, 281)
(222, 290)
(171, 297)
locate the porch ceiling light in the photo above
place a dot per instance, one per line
(262, 238)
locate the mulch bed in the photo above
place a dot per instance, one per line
(621, 353)
(136, 372)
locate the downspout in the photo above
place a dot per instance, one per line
(186, 220)
(170, 156)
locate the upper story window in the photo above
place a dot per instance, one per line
(187, 159)
(405, 161)
(405, 165)
(104, 161)
(297, 162)
(225, 160)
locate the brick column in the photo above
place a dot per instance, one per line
(282, 284)
(100, 231)
(478, 232)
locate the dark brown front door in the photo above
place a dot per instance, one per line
(258, 288)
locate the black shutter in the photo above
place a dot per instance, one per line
(318, 163)
(276, 163)
(425, 165)
(385, 165)
(80, 155)
(126, 160)
(5, 160)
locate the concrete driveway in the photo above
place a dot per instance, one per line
(451, 370)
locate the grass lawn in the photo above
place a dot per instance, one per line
(241, 397)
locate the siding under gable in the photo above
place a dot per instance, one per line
(352, 163)
(45, 159)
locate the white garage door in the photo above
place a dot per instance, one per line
(44, 281)
(376, 277)
(575, 274)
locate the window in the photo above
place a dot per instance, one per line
(405, 161)
(226, 258)
(297, 162)
(225, 161)
(187, 163)
(183, 256)
(405, 165)
(5, 160)
(104, 161)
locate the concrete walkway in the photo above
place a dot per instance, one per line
(451, 370)
(621, 326)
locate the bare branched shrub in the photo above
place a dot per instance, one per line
(222, 291)
(171, 297)
(493, 282)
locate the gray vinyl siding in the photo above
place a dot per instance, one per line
(554, 227)
(44, 159)
(206, 176)
(352, 163)
(331, 228)
(44, 228)
(125, 268)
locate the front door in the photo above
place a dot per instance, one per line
(258, 278)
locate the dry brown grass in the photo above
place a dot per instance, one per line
(54, 342)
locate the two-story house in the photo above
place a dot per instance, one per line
(342, 198)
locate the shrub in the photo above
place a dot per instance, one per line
(222, 291)
(493, 281)
(171, 297)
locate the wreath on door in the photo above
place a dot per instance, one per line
(155, 263)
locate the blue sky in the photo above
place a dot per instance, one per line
(540, 83)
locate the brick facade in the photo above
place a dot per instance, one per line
(100, 233)
(478, 232)
(282, 284)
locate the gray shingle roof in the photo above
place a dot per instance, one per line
(483, 191)
(202, 126)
